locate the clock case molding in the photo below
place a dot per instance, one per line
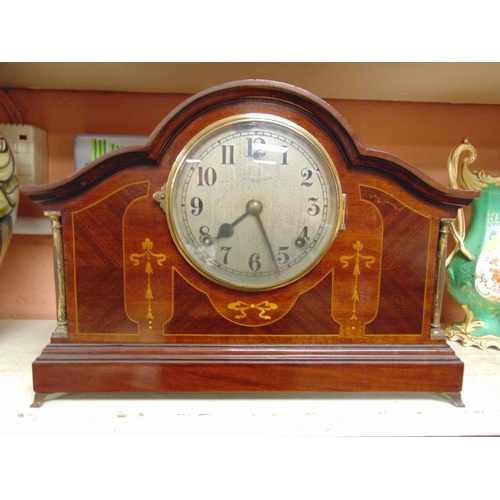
(134, 316)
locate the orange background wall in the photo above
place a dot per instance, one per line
(422, 134)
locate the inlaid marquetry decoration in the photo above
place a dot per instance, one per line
(262, 308)
(149, 258)
(252, 244)
(357, 261)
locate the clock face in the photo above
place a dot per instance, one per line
(253, 202)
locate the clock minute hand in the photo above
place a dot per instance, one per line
(255, 207)
(268, 243)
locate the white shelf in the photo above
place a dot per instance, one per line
(32, 225)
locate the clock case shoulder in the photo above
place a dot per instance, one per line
(357, 156)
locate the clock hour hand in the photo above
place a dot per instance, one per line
(226, 230)
(253, 207)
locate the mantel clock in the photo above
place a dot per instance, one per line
(253, 244)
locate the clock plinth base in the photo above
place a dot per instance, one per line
(72, 368)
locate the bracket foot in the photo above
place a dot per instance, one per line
(455, 398)
(41, 397)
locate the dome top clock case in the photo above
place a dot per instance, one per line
(253, 244)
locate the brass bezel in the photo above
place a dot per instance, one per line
(168, 196)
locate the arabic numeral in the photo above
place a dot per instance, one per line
(196, 205)
(254, 262)
(284, 160)
(306, 173)
(205, 238)
(301, 240)
(314, 209)
(206, 176)
(226, 251)
(282, 257)
(255, 153)
(227, 155)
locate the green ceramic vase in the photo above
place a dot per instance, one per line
(473, 268)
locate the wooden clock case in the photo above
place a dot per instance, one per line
(134, 316)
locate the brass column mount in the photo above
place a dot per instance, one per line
(61, 330)
(436, 329)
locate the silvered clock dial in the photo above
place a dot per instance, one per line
(253, 202)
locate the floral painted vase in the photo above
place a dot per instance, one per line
(9, 196)
(473, 267)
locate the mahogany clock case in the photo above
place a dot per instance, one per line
(134, 315)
